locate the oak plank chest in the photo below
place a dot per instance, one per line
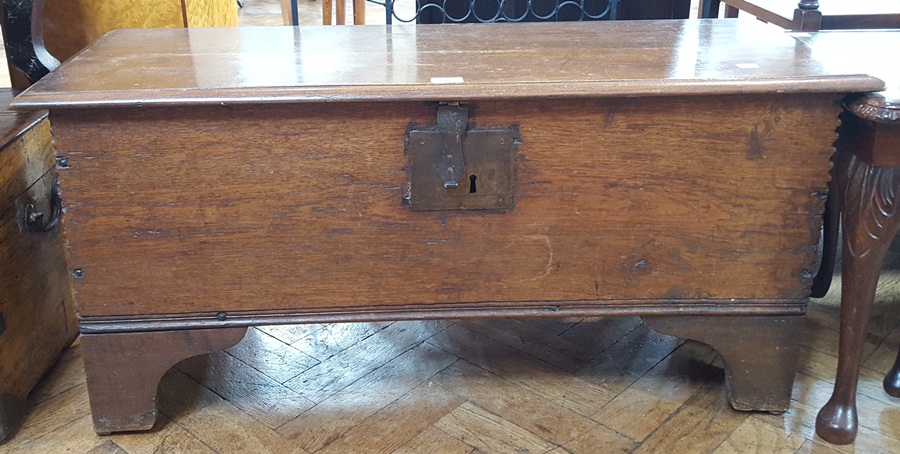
(37, 317)
(221, 179)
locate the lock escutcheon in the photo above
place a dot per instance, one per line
(455, 167)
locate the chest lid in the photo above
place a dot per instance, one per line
(138, 67)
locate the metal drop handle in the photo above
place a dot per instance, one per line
(38, 221)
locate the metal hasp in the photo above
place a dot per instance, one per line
(455, 167)
(452, 120)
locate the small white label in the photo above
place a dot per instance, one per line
(747, 65)
(447, 80)
(800, 35)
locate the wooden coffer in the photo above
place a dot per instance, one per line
(229, 178)
(37, 317)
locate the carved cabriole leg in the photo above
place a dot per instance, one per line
(759, 351)
(870, 201)
(123, 371)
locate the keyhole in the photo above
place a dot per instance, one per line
(472, 179)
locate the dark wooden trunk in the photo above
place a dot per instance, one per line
(37, 319)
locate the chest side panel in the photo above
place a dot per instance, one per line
(300, 207)
(37, 317)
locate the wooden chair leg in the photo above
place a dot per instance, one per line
(123, 371)
(714, 8)
(708, 9)
(870, 199)
(340, 12)
(359, 12)
(731, 12)
(760, 354)
(286, 14)
(326, 12)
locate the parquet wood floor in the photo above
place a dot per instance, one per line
(503, 386)
(517, 386)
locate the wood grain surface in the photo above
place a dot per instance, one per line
(35, 298)
(495, 61)
(682, 392)
(275, 208)
(123, 371)
(760, 354)
(22, 160)
(495, 393)
(71, 25)
(211, 13)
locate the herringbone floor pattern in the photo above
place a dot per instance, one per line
(503, 386)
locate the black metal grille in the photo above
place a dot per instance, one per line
(459, 11)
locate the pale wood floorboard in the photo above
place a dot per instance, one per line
(520, 386)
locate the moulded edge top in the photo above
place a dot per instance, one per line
(256, 65)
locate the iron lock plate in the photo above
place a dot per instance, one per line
(454, 167)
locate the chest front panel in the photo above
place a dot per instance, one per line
(302, 206)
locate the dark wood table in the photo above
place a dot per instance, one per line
(865, 198)
(221, 179)
(813, 15)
